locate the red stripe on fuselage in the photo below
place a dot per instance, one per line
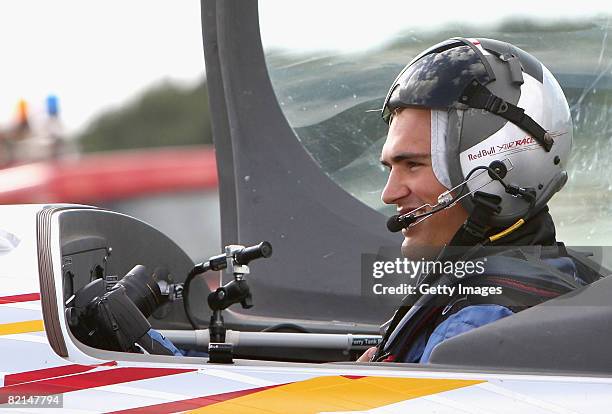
(47, 373)
(28, 297)
(353, 377)
(85, 381)
(190, 404)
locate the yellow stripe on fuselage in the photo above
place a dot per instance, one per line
(21, 327)
(334, 393)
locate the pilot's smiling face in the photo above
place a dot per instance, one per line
(412, 183)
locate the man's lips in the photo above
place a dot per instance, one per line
(405, 210)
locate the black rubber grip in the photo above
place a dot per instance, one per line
(244, 256)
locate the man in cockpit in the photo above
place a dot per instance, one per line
(479, 139)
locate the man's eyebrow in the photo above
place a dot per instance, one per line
(406, 156)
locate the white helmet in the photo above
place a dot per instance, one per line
(493, 105)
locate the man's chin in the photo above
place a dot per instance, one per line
(415, 249)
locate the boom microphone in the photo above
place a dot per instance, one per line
(397, 222)
(403, 221)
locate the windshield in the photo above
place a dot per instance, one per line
(331, 82)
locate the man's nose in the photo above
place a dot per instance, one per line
(395, 189)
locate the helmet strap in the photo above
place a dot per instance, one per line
(476, 95)
(478, 223)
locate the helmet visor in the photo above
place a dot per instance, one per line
(435, 80)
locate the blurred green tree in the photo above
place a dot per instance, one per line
(164, 115)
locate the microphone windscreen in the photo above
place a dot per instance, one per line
(394, 224)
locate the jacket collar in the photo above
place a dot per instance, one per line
(539, 230)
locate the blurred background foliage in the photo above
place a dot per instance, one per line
(166, 114)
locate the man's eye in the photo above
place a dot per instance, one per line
(412, 164)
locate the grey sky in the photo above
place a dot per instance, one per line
(96, 54)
